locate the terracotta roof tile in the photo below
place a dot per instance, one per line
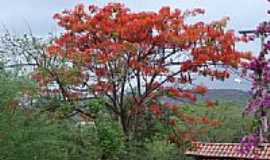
(228, 150)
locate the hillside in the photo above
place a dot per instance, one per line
(230, 95)
(227, 95)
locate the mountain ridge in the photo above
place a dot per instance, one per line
(232, 95)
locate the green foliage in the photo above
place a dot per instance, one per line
(156, 148)
(110, 138)
(233, 125)
(96, 105)
(160, 149)
(30, 136)
(12, 88)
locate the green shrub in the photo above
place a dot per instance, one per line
(160, 150)
(30, 137)
(12, 88)
(110, 138)
(156, 148)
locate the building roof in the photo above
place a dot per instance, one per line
(80, 115)
(228, 151)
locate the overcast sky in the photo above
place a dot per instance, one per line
(17, 15)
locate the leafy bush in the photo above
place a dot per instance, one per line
(160, 149)
(110, 138)
(12, 88)
(27, 136)
(157, 148)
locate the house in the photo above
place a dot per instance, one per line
(227, 151)
(82, 118)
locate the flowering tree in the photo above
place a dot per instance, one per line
(259, 69)
(133, 58)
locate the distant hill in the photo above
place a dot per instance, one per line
(227, 95)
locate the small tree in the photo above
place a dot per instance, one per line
(132, 58)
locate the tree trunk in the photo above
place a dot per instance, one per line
(124, 124)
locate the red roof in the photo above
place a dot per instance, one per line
(228, 151)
